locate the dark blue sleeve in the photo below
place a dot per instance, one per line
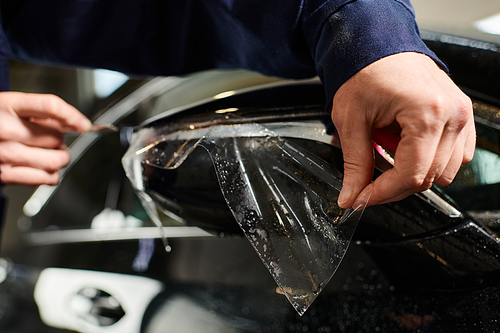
(4, 62)
(362, 32)
(289, 38)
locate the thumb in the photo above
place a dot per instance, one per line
(358, 164)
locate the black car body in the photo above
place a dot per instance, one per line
(92, 261)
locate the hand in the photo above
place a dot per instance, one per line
(31, 140)
(437, 127)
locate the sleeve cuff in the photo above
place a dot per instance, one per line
(362, 32)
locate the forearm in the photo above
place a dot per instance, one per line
(291, 38)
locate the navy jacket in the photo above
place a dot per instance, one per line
(287, 38)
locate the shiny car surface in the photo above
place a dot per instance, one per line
(92, 261)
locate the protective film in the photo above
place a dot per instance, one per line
(283, 197)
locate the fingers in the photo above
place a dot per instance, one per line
(436, 121)
(427, 154)
(42, 106)
(354, 134)
(21, 164)
(407, 176)
(456, 160)
(38, 120)
(20, 130)
(31, 139)
(358, 164)
(21, 175)
(18, 154)
(462, 153)
(470, 141)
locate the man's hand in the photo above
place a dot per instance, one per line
(437, 127)
(31, 140)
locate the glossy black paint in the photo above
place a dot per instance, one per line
(411, 268)
(473, 64)
(418, 245)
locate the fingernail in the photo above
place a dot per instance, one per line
(344, 196)
(359, 204)
(362, 200)
(86, 125)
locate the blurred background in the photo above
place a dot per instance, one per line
(88, 90)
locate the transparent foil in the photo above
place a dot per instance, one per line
(283, 197)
